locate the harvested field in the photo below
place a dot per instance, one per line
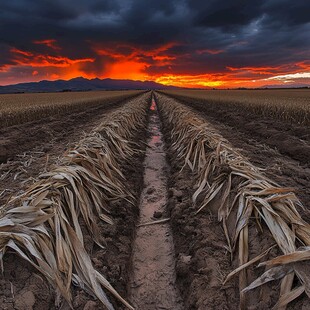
(280, 147)
(111, 257)
(199, 240)
(290, 105)
(143, 203)
(16, 109)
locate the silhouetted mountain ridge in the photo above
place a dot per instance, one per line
(81, 84)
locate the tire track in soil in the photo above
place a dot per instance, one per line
(153, 264)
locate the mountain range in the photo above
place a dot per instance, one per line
(81, 84)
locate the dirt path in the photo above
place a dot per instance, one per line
(153, 280)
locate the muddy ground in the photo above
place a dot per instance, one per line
(21, 287)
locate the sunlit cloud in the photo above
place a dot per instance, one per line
(131, 62)
(51, 43)
(26, 58)
(288, 77)
(198, 81)
(209, 51)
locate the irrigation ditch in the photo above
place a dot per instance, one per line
(154, 209)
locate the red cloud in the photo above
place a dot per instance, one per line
(25, 58)
(160, 64)
(209, 51)
(49, 43)
(24, 53)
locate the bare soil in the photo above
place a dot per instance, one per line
(152, 284)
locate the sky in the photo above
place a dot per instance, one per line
(188, 43)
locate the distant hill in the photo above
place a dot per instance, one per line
(81, 84)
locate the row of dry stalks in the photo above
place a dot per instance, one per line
(242, 197)
(43, 225)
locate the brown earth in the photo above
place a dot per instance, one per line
(35, 147)
(203, 262)
(152, 283)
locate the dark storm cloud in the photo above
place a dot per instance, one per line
(225, 14)
(210, 36)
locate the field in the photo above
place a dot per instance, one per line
(155, 200)
(19, 108)
(290, 105)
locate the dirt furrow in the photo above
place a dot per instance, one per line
(153, 280)
(202, 260)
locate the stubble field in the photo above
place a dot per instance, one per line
(156, 200)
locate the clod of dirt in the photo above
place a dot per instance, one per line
(185, 259)
(157, 214)
(97, 262)
(25, 301)
(183, 264)
(173, 192)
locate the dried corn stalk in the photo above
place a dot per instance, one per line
(42, 225)
(241, 194)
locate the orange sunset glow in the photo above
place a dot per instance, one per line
(127, 62)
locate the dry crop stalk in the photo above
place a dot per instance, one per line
(42, 224)
(220, 169)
